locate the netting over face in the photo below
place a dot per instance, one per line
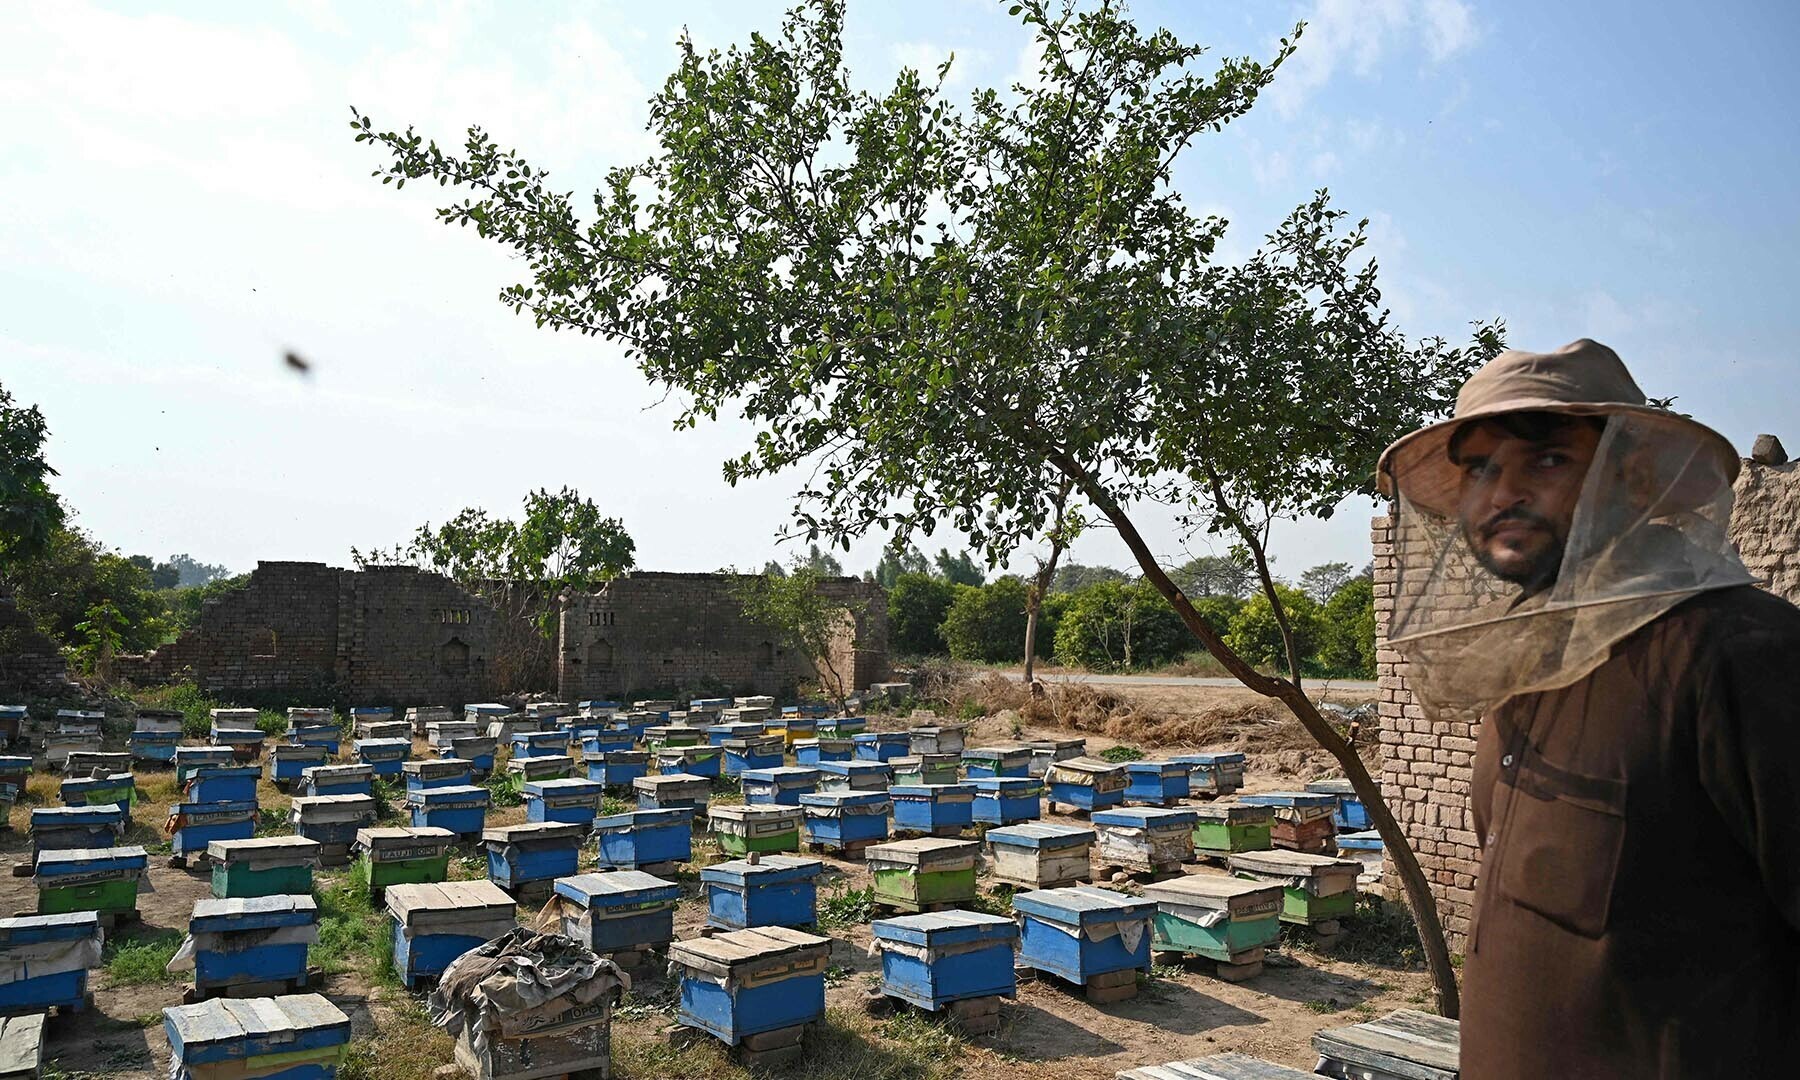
(1648, 530)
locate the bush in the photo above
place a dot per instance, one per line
(917, 605)
(1111, 626)
(1347, 630)
(986, 623)
(1256, 636)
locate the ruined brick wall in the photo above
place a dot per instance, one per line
(30, 663)
(667, 632)
(1428, 766)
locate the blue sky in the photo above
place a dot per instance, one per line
(183, 203)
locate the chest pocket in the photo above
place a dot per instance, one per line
(1564, 835)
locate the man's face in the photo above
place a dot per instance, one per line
(1518, 497)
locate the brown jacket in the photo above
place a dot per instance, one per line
(1637, 913)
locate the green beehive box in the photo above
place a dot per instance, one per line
(1315, 888)
(1227, 919)
(767, 829)
(1226, 828)
(918, 875)
(404, 856)
(103, 880)
(266, 866)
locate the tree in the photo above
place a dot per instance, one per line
(74, 575)
(898, 560)
(959, 569)
(1347, 629)
(1217, 575)
(986, 622)
(794, 608)
(1322, 582)
(29, 510)
(190, 571)
(1284, 643)
(917, 604)
(102, 632)
(1114, 626)
(1073, 577)
(945, 311)
(822, 562)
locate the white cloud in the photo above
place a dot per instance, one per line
(1322, 165)
(1358, 36)
(926, 57)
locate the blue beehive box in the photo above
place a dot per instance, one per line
(338, 780)
(441, 772)
(776, 890)
(535, 851)
(720, 734)
(477, 750)
(782, 786)
(155, 746)
(1085, 783)
(755, 752)
(195, 825)
(539, 743)
(1156, 783)
(938, 809)
(933, 959)
(385, 756)
(854, 775)
(222, 783)
(600, 743)
(816, 751)
(325, 736)
(569, 800)
(1082, 931)
(462, 808)
(881, 746)
(646, 838)
(1006, 800)
(60, 828)
(845, 820)
(746, 982)
(616, 769)
(618, 912)
(294, 1037)
(51, 956)
(671, 791)
(436, 922)
(287, 761)
(691, 760)
(1351, 815)
(1145, 838)
(1213, 774)
(983, 761)
(484, 711)
(332, 820)
(251, 939)
(190, 759)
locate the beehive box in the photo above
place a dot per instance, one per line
(1350, 815)
(194, 827)
(1367, 849)
(569, 799)
(937, 739)
(12, 717)
(262, 866)
(1047, 752)
(60, 828)
(792, 728)
(295, 1037)
(671, 791)
(841, 727)
(720, 734)
(1007, 800)
(1040, 856)
(621, 911)
(914, 770)
(1144, 838)
(246, 743)
(854, 776)
(374, 730)
(332, 820)
(816, 751)
(940, 810)
(1086, 784)
(46, 959)
(1156, 783)
(644, 838)
(776, 890)
(692, 760)
(1213, 774)
(747, 982)
(983, 761)
(424, 774)
(338, 780)
(1227, 919)
(537, 851)
(222, 783)
(421, 717)
(539, 744)
(881, 746)
(159, 720)
(1080, 932)
(483, 712)
(616, 769)
(767, 829)
(86, 763)
(117, 789)
(477, 750)
(845, 820)
(103, 880)
(547, 767)
(58, 745)
(1222, 828)
(155, 747)
(1302, 820)
(1315, 888)
(934, 959)
(918, 875)
(384, 755)
(598, 743)
(781, 786)
(443, 733)
(15, 769)
(250, 940)
(755, 752)
(1403, 1045)
(436, 923)
(191, 759)
(671, 735)
(460, 808)
(403, 856)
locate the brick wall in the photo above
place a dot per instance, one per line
(30, 663)
(1427, 765)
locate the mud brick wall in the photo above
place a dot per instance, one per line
(30, 663)
(408, 636)
(667, 632)
(1428, 765)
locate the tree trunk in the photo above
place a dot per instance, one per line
(1397, 849)
(1034, 596)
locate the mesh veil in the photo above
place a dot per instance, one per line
(1649, 531)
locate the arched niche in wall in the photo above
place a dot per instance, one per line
(600, 655)
(453, 657)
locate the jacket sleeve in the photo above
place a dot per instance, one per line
(1747, 732)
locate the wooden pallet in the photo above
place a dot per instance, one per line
(1104, 989)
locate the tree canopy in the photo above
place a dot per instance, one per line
(29, 510)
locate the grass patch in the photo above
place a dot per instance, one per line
(194, 704)
(846, 906)
(610, 806)
(139, 961)
(505, 789)
(352, 932)
(970, 709)
(270, 722)
(1116, 754)
(847, 1046)
(1323, 1006)
(1381, 934)
(405, 1046)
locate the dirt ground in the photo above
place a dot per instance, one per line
(1048, 1031)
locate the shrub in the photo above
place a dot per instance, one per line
(917, 605)
(1122, 753)
(1256, 636)
(1111, 625)
(986, 623)
(1347, 630)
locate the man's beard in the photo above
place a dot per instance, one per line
(1536, 575)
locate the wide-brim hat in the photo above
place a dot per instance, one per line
(1583, 378)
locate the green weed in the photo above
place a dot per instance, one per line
(352, 933)
(140, 960)
(1121, 753)
(505, 789)
(846, 906)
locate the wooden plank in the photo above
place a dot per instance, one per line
(21, 1045)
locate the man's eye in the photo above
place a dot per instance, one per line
(1552, 460)
(1479, 470)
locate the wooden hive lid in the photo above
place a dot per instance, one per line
(719, 954)
(1405, 1044)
